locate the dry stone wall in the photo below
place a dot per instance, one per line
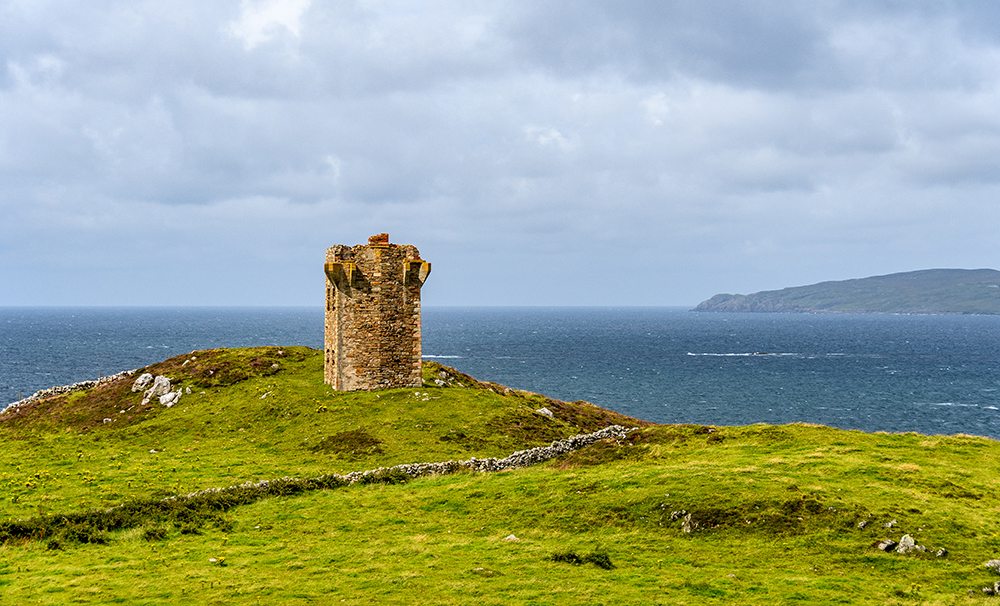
(373, 315)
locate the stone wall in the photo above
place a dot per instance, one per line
(373, 315)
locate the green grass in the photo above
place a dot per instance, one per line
(775, 509)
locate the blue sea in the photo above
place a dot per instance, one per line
(929, 374)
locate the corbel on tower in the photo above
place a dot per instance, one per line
(341, 273)
(415, 272)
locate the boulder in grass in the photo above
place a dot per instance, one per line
(161, 387)
(171, 398)
(886, 545)
(142, 382)
(907, 544)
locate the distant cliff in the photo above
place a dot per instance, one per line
(929, 291)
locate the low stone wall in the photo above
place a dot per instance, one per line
(521, 458)
(55, 391)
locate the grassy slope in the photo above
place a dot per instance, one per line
(778, 507)
(927, 291)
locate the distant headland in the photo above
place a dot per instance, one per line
(928, 291)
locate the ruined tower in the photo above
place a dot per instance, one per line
(373, 315)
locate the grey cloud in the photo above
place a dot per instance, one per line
(716, 141)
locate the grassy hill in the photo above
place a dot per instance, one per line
(775, 514)
(931, 291)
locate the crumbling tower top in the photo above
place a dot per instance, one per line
(373, 315)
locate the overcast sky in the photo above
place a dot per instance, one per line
(537, 153)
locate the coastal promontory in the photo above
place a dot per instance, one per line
(929, 291)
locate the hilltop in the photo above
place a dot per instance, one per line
(930, 291)
(95, 508)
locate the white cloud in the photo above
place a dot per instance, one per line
(548, 136)
(657, 108)
(259, 21)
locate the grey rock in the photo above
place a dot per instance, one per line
(142, 382)
(688, 525)
(906, 544)
(862, 524)
(440, 383)
(890, 524)
(886, 545)
(941, 553)
(511, 537)
(171, 398)
(993, 565)
(161, 387)
(545, 412)
(187, 389)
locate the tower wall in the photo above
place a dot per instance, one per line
(373, 315)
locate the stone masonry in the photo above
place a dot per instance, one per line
(373, 315)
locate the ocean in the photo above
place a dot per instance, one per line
(895, 373)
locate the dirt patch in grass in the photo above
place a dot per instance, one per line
(354, 444)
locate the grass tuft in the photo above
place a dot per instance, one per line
(598, 558)
(353, 445)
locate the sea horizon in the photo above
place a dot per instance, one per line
(875, 372)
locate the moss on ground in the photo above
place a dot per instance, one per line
(680, 514)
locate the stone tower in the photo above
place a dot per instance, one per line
(373, 315)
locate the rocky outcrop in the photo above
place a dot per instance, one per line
(161, 387)
(169, 399)
(143, 382)
(886, 545)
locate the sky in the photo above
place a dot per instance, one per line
(537, 152)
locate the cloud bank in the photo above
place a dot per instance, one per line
(538, 153)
